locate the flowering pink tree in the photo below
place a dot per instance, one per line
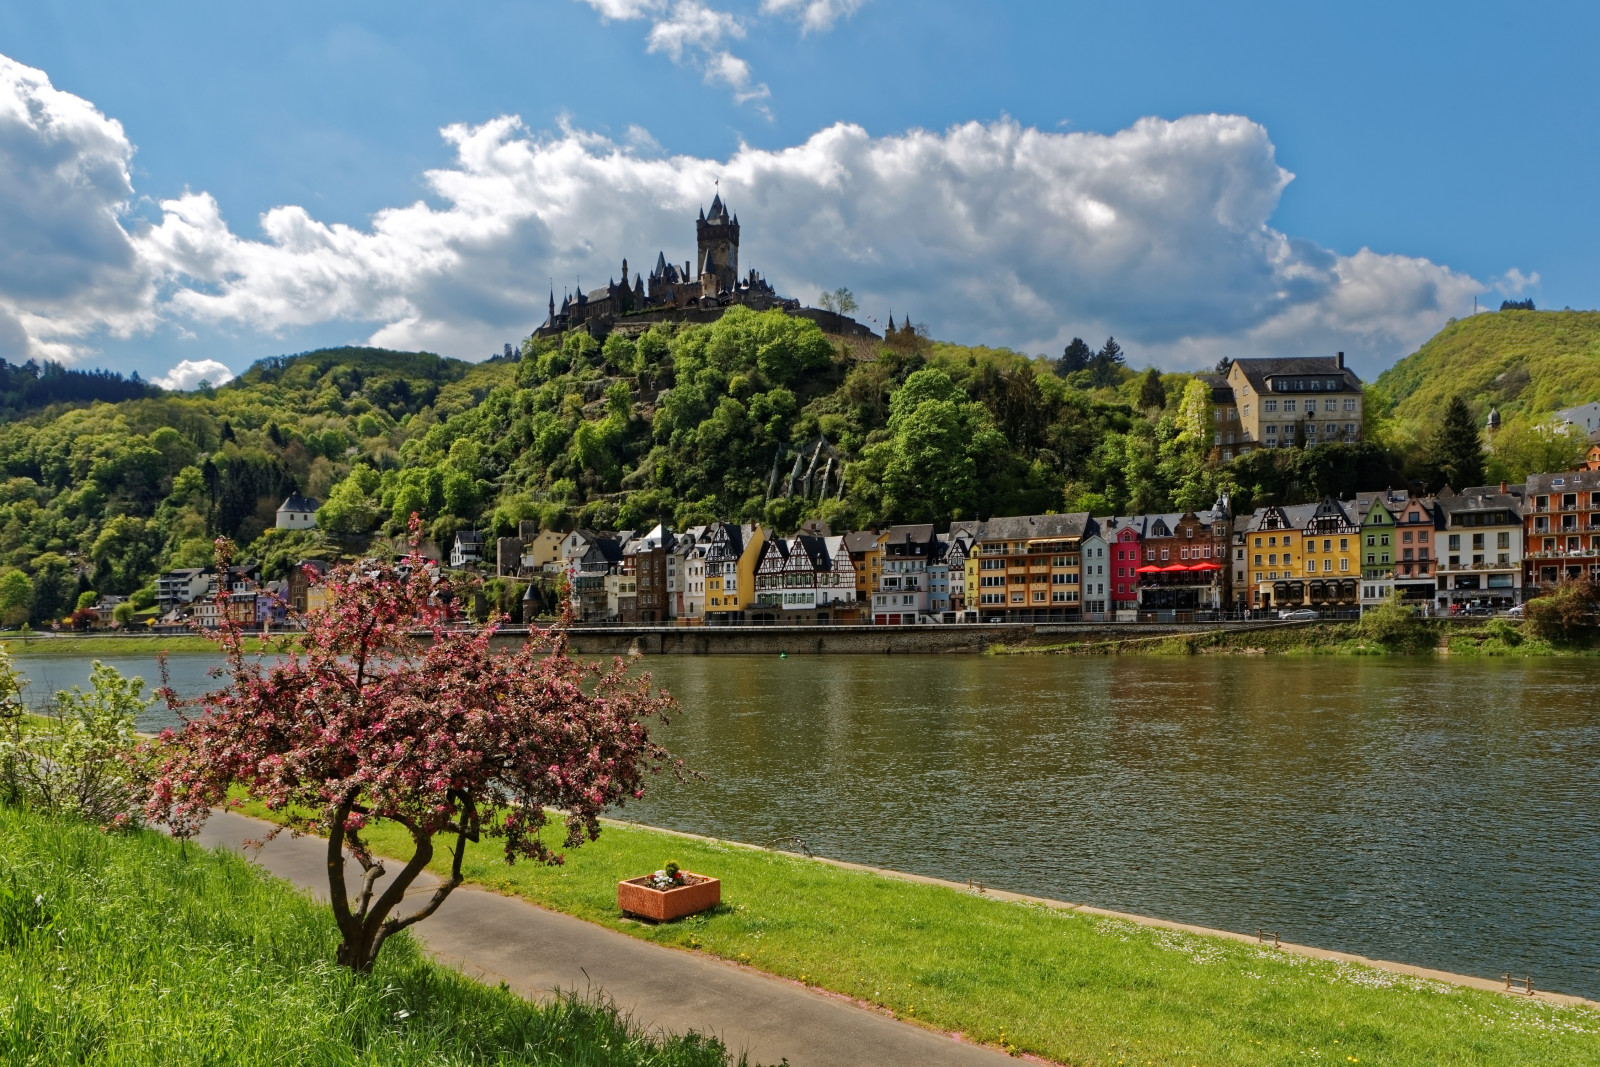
(380, 712)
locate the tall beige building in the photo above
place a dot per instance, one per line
(1278, 403)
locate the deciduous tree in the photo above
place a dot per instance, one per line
(379, 712)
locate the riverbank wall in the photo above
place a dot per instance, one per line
(968, 639)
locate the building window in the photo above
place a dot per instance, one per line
(1269, 405)
(1288, 405)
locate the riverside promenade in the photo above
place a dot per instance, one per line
(500, 939)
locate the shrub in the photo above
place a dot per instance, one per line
(77, 760)
(1396, 627)
(1569, 614)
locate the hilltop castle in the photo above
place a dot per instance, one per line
(699, 292)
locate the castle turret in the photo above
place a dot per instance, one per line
(719, 249)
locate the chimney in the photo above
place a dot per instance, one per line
(1503, 487)
(1339, 359)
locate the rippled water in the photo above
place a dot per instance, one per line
(1443, 814)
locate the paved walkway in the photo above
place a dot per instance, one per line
(534, 951)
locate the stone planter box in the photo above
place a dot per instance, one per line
(635, 897)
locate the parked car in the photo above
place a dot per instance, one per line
(1515, 611)
(1300, 615)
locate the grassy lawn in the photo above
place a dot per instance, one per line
(101, 645)
(1073, 988)
(1495, 637)
(129, 950)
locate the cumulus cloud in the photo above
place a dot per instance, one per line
(993, 233)
(68, 268)
(191, 372)
(989, 232)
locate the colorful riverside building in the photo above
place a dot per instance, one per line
(1030, 567)
(901, 594)
(732, 551)
(866, 556)
(1562, 528)
(1478, 547)
(1396, 546)
(803, 579)
(1304, 555)
(1183, 561)
(1123, 535)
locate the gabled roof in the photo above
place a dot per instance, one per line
(469, 537)
(814, 549)
(918, 533)
(860, 541)
(296, 502)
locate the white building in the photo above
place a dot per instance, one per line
(1586, 416)
(298, 513)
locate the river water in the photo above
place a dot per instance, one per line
(1445, 814)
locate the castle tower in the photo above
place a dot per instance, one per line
(718, 235)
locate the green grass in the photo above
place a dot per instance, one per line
(100, 645)
(129, 950)
(1070, 987)
(1494, 637)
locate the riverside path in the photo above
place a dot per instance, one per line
(501, 939)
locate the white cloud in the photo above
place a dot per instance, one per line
(626, 9)
(990, 232)
(691, 27)
(814, 15)
(68, 268)
(996, 233)
(191, 372)
(691, 33)
(1514, 283)
(725, 68)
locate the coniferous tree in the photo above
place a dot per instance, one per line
(1076, 356)
(1454, 451)
(1152, 394)
(1107, 362)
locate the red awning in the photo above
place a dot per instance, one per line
(1147, 570)
(1174, 569)
(1206, 567)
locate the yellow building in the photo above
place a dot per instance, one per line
(1282, 403)
(732, 552)
(1305, 555)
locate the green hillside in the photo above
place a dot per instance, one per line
(1523, 362)
(683, 424)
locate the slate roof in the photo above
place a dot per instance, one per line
(1258, 371)
(860, 541)
(1571, 481)
(296, 502)
(1035, 527)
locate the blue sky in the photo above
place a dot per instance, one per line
(1455, 143)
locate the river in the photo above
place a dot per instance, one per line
(1445, 814)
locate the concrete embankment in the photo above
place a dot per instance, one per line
(856, 640)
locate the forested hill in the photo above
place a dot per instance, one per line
(1523, 362)
(681, 424)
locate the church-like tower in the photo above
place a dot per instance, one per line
(719, 249)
